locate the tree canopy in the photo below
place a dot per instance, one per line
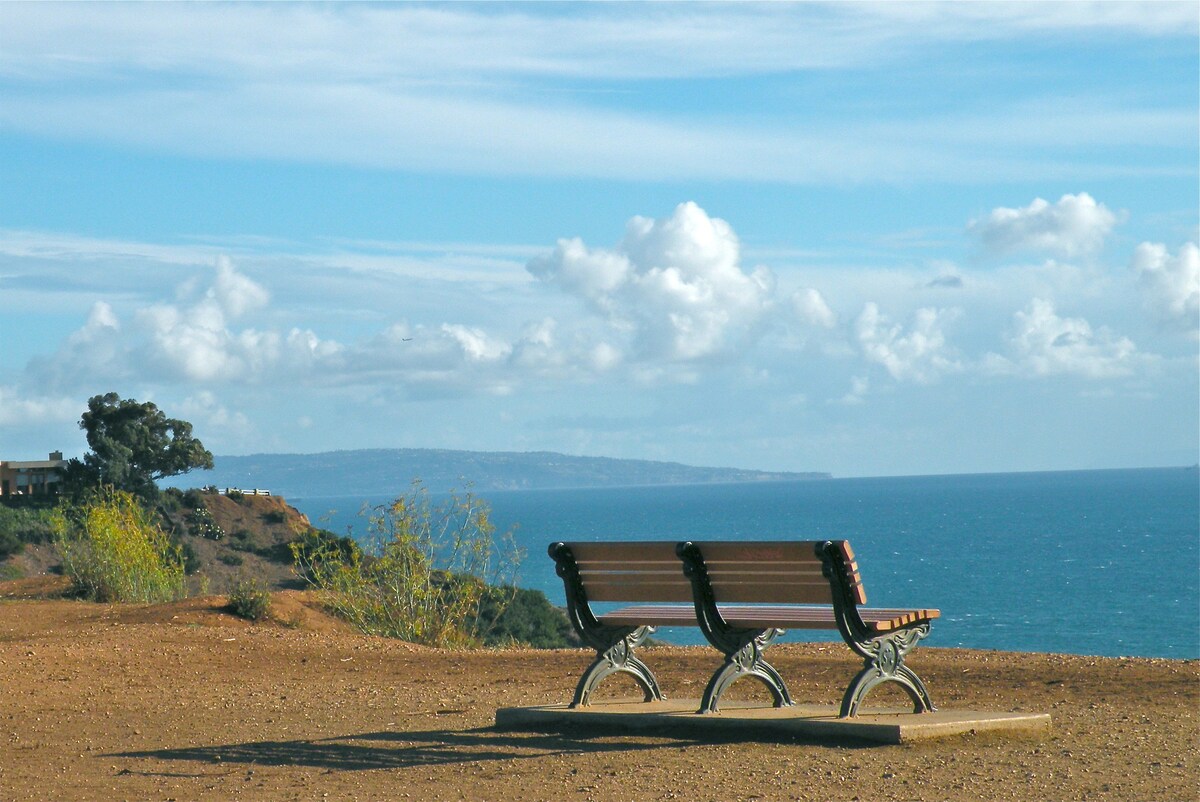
(133, 445)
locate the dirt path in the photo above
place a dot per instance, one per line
(183, 703)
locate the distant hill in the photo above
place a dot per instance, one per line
(390, 471)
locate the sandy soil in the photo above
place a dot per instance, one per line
(183, 702)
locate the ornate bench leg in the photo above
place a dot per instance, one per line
(884, 662)
(747, 661)
(618, 657)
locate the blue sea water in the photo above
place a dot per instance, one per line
(1082, 562)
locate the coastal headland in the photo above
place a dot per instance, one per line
(183, 701)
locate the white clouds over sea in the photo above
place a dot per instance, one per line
(672, 291)
(857, 237)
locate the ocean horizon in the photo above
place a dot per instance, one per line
(1100, 562)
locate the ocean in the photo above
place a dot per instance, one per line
(1079, 562)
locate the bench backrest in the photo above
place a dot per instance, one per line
(630, 572)
(751, 572)
(776, 572)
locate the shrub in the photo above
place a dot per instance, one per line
(113, 551)
(10, 544)
(423, 578)
(317, 546)
(243, 540)
(191, 560)
(27, 524)
(510, 615)
(202, 523)
(170, 501)
(232, 559)
(249, 599)
(274, 516)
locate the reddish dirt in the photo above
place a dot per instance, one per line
(185, 702)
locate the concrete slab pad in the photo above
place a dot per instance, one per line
(806, 722)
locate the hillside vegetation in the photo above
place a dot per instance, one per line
(235, 543)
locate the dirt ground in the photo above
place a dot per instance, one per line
(183, 702)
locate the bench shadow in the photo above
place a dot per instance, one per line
(401, 750)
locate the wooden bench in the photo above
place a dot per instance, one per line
(742, 595)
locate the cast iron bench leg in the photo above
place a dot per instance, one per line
(618, 657)
(884, 662)
(746, 661)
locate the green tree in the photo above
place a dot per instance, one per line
(132, 446)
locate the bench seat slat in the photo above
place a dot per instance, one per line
(765, 616)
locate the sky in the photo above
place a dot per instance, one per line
(869, 239)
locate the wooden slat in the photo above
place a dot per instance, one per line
(759, 551)
(651, 615)
(765, 616)
(649, 572)
(898, 619)
(630, 565)
(853, 578)
(782, 572)
(633, 589)
(770, 556)
(772, 593)
(741, 572)
(661, 550)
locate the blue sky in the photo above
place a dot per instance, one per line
(869, 239)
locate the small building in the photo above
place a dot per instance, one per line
(32, 478)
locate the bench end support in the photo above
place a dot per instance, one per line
(747, 661)
(884, 662)
(619, 658)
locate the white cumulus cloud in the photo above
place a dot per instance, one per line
(205, 409)
(1044, 344)
(236, 294)
(812, 309)
(1171, 283)
(675, 284)
(189, 341)
(919, 354)
(859, 385)
(20, 409)
(1074, 226)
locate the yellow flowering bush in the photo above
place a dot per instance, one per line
(114, 551)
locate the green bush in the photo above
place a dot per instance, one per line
(274, 517)
(202, 523)
(232, 559)
(315, 547)
(10, 544)
(191, 560)
(243, 540)
(424, 577)
(250, 599)
(113, 550)
(27, 524)
(170, 501)
(511, 615)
